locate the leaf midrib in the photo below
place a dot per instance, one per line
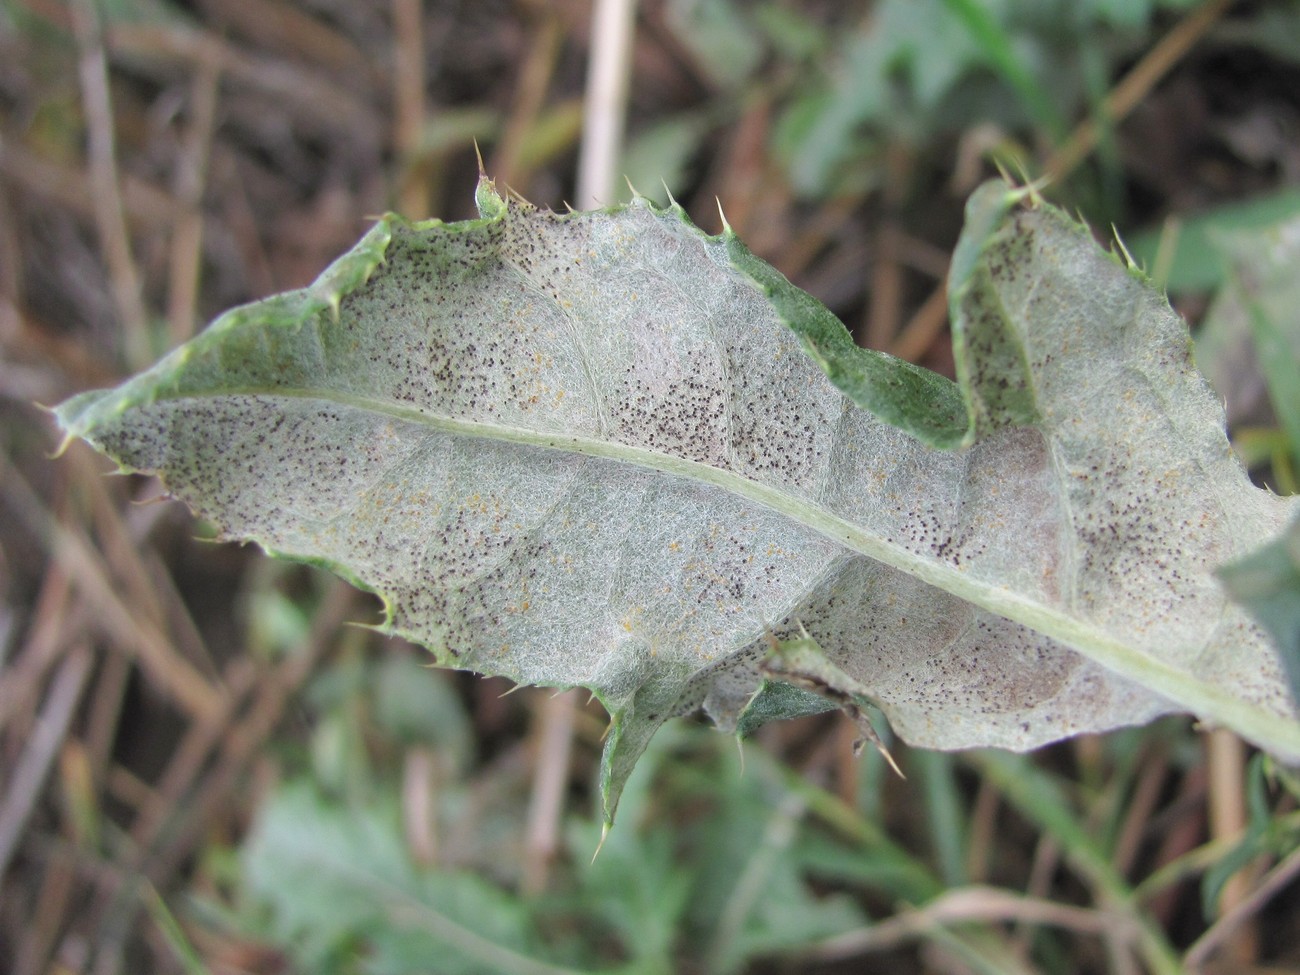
(1187, 691)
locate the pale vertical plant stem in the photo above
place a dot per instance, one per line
(409, 106)
(555, 724)
(1226, 764)
(110, 216)
(420, 804)
(608, 72)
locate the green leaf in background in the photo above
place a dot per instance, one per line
(1196, 259)
(1263, 289)
(604, 449)
(719, 35)
(1267, 582)
(913, 69)
(336, 883)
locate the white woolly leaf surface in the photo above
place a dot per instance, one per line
(603, 449)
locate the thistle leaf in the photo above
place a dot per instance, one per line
(605, 449)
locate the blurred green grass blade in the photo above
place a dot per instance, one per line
(657, 159)
(720, 37)
(878, 862)
(172, 932)
(944, 812)
(1001, 53)
(1267, 582)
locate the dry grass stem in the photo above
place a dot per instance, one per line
(189, 184)
(24, 786)
(529, 96)
(132, 635)
(555, 726)
(106, 195)
(977, 904)
(1223, 930)
(924, 328)
(409, 105)
(1135, 86)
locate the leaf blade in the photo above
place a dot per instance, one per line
(605, 449)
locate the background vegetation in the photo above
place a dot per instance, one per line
(205, 771)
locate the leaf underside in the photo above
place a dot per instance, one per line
(604, 449)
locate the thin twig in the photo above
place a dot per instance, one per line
(923, 327)
(190, 756)
(58, 884)
(175, 838)
(530, 94)
(56, 622)
(1141, 804)
(974, 904)
(70, 188)
(242, 740)
(885, 301)
(1273, 883)
(316, 98)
